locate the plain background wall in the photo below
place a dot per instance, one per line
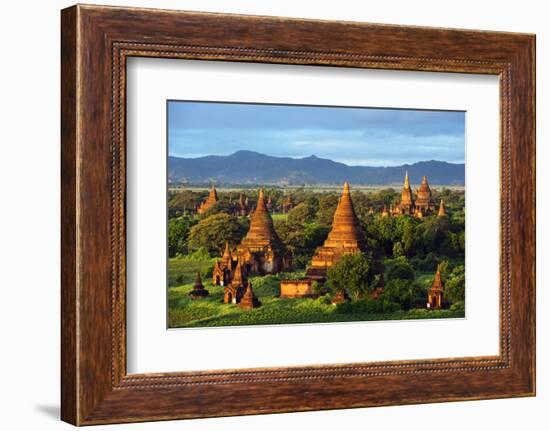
(29, 214)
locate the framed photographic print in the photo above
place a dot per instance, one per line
(322, 214)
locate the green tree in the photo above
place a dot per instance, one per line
(406, 293)
(352, 273)
(213, 232)
(182, 201)
(302, 213)
(361, 204)
(178, 230)
(327, 207)
(455, 285)
(217, 208)
(399, 268)
(301, 239)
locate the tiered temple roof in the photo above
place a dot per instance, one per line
(424, 200)
(261, 250)
(261, 232)
(222, 272)
(235, 283)
(210, 201)
(406, 206)
(345, 237)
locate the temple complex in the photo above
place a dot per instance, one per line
(209, 202)
(418, 204)
(345, 237)
(435, 294)
(249, 300)
(261, 251)
(198, 291)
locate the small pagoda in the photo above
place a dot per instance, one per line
(442, 212)
(261, 250)
(435, 294)
(424, 202)
(249, 300)
(198, 291)
(223, 268)
(209, 202)
(345, 237)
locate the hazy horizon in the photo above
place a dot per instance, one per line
(350, 135)
(313, 155)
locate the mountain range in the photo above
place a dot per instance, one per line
(250, 167)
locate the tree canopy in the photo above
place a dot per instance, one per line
(351, 273)
(213, 232)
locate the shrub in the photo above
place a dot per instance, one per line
(200, 254)
(458, 306)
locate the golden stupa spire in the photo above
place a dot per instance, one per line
(346, 188)
(261, 223)
(345, 224)
(407, 185)
(213, 193)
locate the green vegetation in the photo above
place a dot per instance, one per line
(402, 256)
(211, 311)
(212, 232)
(352, 272)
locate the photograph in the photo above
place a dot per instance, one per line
(300, 214)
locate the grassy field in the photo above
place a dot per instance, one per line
(184, 271)
(211, 311)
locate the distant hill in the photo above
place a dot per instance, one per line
(249, 167)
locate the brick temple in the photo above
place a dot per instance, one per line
(234, 284)
(345, 237)
(261, 250)
(209, 202)
(435, 294)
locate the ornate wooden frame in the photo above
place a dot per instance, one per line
(96, 41)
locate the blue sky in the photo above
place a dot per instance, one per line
(355, 136)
